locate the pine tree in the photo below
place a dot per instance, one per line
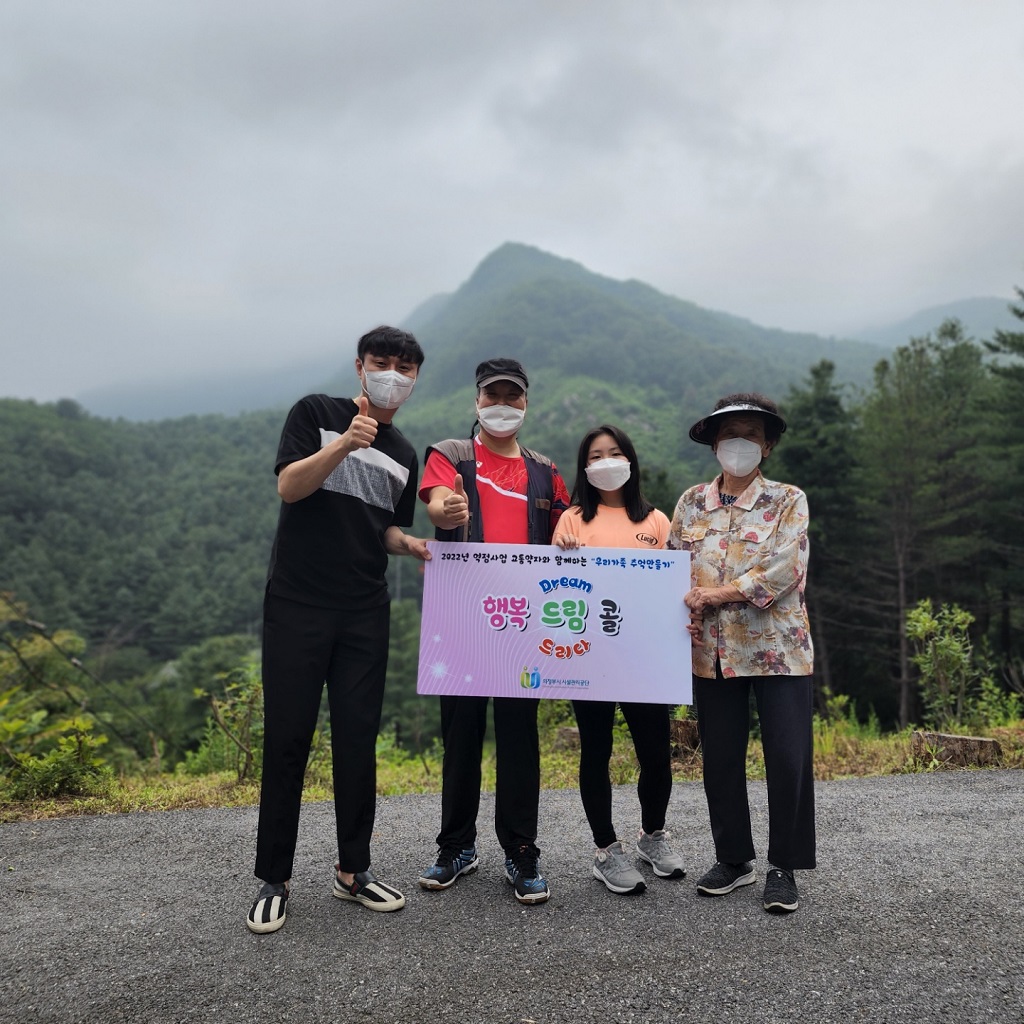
(1005, 512)
(919, 484)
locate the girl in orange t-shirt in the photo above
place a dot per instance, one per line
(609, 510)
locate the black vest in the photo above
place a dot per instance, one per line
(540, 492)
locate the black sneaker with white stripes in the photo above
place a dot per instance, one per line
(267, 914)
(369, 891)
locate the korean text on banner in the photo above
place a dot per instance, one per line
(522, 620)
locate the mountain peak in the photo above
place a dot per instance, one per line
(514, 263)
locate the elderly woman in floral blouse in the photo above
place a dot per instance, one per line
(747, 538)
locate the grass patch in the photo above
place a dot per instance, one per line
(130, 793)
(1011, 739)
(841, 751)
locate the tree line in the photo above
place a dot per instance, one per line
(915, 489)
(133, 556)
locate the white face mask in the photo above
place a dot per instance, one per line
(608, 474)
(500, 420)
(387, 389)
(738, 456)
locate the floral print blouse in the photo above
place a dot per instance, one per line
(759, 545)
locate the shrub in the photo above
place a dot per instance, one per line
(957, 685)
(71, 768)
(233, 735)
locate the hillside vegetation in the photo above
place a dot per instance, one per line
(133, 555)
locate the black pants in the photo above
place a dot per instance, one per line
(304, 647)
(517, 794)
(649, 729)
(784, 707)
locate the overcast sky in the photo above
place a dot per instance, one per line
(204, 183)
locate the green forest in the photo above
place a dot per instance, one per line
(133, 555)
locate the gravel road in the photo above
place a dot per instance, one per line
(916, 914)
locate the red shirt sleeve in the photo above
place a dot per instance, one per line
(438, 472)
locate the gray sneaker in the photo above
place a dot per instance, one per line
(612, 866)
(656, 849)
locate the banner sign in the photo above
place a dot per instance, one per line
(522, 620)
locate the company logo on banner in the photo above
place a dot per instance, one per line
(531, 621)
(529, 680)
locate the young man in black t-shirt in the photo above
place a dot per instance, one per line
(347, 480)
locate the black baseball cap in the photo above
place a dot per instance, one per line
(491, 370)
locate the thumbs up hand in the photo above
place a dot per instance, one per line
(363, 428)
(456, 504)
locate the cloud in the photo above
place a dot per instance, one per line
(204, 184)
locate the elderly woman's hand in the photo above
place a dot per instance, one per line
(695, 627)
(701, 598)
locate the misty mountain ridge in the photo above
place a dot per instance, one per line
(981, 318)
(228, 392)
(558, 318)
(555, 315)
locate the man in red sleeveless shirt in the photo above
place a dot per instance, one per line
(489, 489)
